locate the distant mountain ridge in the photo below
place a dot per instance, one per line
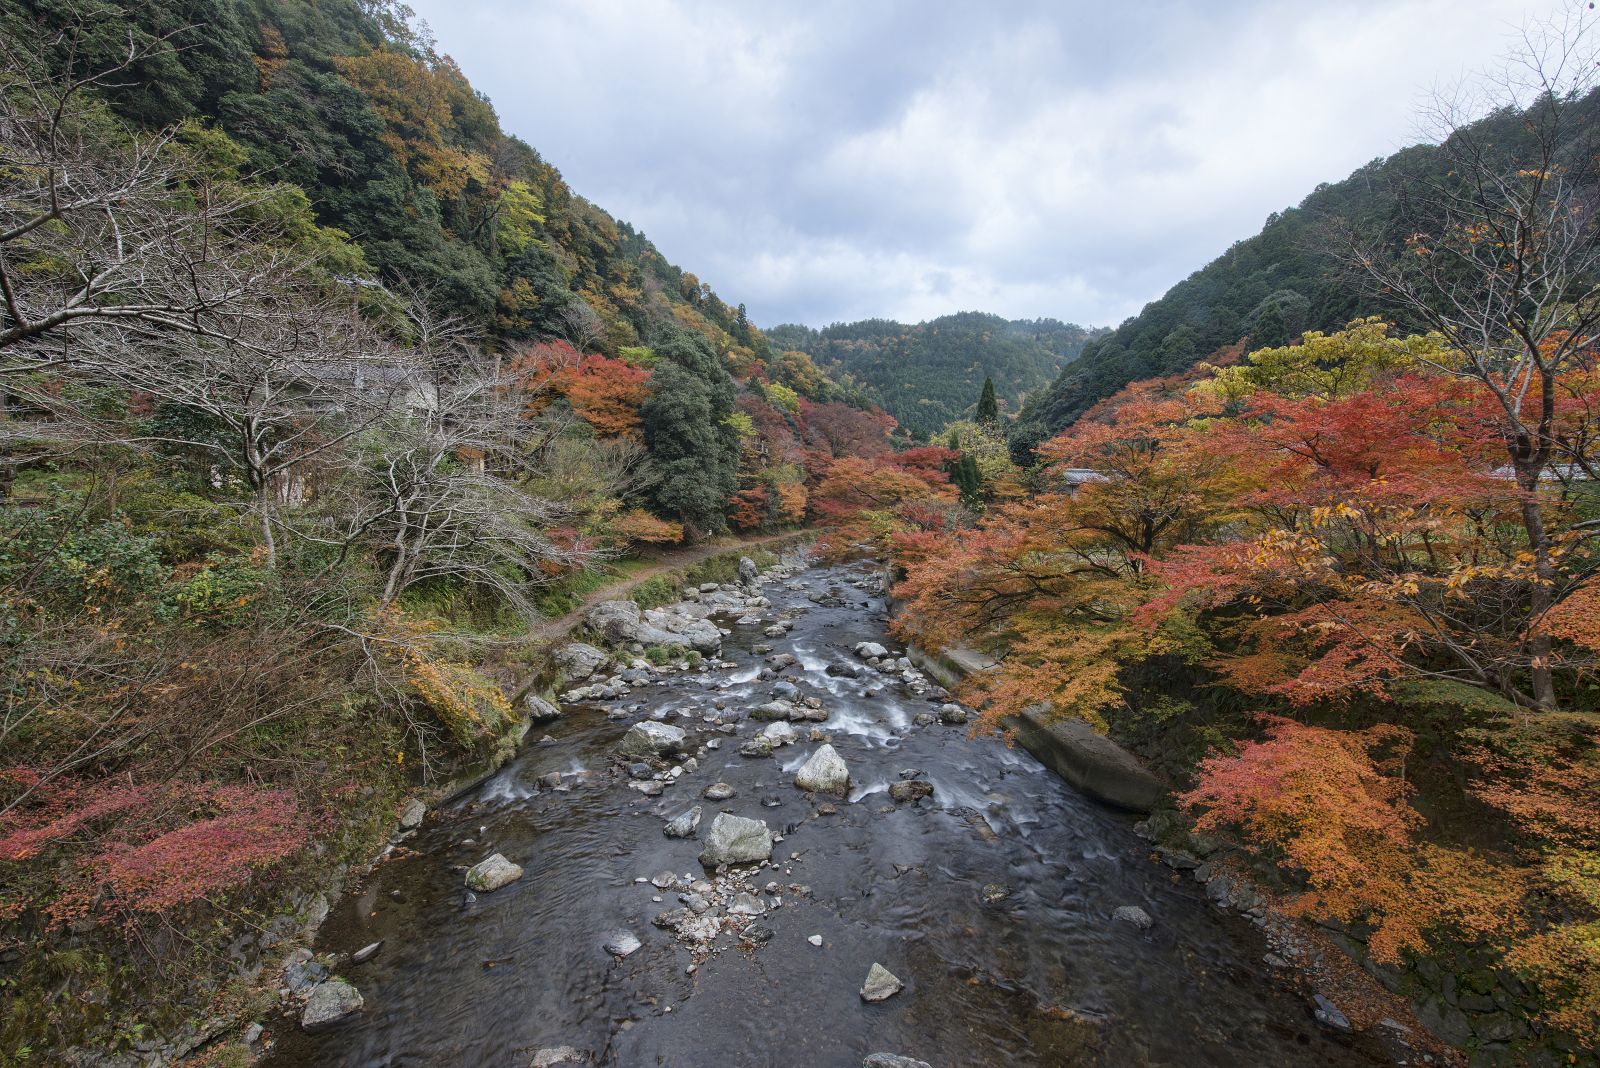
(1265, 290)
(929, 374)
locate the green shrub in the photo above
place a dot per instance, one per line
(656, 591)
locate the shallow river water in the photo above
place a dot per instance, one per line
(992, 900)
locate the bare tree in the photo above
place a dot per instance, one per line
(580, 326)
(444, 491)
(1503, 260)
(104, 231)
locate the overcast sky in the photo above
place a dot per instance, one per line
(828, 161)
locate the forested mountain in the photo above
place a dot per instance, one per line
(1293, 276)
(929, 374)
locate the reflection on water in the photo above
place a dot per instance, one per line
(991, 900)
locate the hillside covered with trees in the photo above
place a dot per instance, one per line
(318, 391)
(1301, 272)
(929, 374)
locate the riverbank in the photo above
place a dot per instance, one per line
(1005, 905)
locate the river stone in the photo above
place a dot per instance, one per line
(748, 571)
(540, 710)
(772, 710)
(719, 791)
(736, 840)
(616, 621)
(329, 1003)
(365, 953)
(492, 874)
(1135, 915)
(556, 1056)
(779, 733)
(746, 904)
(911, 790)
(824, 773)
(683, 826)
(1328, 1015)
(952, 714)
(649, 738)
(577, 661)
(892, 1060)
(757, 747)
(881, 984)
(870, 650)
(411, 815)
(621, 943)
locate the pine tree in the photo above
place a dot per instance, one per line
(988, 408)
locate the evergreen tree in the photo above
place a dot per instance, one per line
(688, 433)
(969, 481)
(988, 409)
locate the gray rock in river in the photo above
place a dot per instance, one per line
(719, 791)
(911, 790)
(748, 571)
(577, 661)
(953, 714)
(683, 826)
(881, 984)
(558, 1057)
(779, 734)
(772, 710)
(540, 710)
(1135, 915)
(365, 953)
(621, 943)
(411, 815)
(1328, 1014)
(649, 738)
(892, 1060)
(736, 840)
(329, 1003)
(492, 874)
(870, 650)
(824, 773)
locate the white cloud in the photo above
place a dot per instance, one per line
(910, 159)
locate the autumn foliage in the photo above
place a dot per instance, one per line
(1319, 535)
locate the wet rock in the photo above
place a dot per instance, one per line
(911, 790)
(785, 691)
(782, 660)
(640, 770)
(772, 710)
(329, 1003)
(492, 874)
(881, 984)
(757, 748)
(664, 880)
(365, 953)
(303, 972)
(577, 661)
(411, 815)
(539, 710)
(621, 943)
(558, 1057)
(892, 1060)
(953, 714)
(746, 904)
(827, 809)
(994, 893)
(550, 780)
(736, 840)
(649, 738)
(815, 940)
(748, 571)
(824, 773)
(649, 789)
(870, 650)
(924, 719)
(1328, 1015)
(779, 734)
(776, 631)
(1135, 915)
(683, 826)
(719, 791)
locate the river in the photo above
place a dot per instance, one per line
(992, 900)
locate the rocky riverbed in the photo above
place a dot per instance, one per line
(784, 850)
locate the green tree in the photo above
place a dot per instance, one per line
(690, 433)
(988, 409)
